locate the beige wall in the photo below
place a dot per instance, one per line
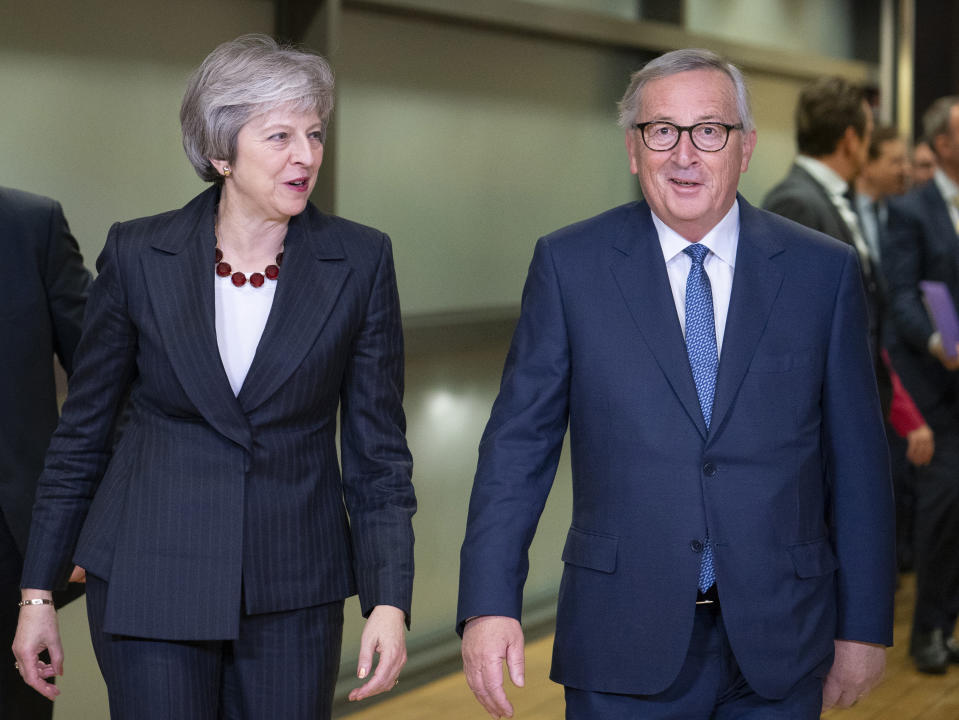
(818, 27)
(466, 145)
(91, 97)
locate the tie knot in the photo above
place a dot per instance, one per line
(697, 252)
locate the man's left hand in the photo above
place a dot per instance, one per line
(856, 669)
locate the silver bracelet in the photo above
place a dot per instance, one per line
(35, 601)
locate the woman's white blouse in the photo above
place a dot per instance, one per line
(241, 314)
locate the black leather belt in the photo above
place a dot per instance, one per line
(710, 597)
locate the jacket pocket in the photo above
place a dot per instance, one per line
(590, 550)
(814, 558)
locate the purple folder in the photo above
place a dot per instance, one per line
(942, 312)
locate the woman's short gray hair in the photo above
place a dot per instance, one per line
(679, 61)
(243, 78)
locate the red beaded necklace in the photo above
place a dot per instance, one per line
(223, 269)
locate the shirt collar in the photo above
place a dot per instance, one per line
(946, 186)
(823, 174)
(722, 240)
(864, 203)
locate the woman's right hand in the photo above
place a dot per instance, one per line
(37, 630)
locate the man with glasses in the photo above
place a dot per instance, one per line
(731, 547)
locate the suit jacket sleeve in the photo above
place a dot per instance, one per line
(519, 452)
(66, 282)
(904, 416)
(901, 263)
(857, 467)
(81, 446)
(376, 461)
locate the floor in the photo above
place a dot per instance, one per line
(903, 695)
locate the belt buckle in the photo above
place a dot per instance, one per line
(710, 597)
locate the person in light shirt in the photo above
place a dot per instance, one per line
(923, 163)
(923, 245)
(221, 534)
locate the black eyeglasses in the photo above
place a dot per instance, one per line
(706, 136)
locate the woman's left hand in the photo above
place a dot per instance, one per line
(384, 633)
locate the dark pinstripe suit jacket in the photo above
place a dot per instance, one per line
(211, 503)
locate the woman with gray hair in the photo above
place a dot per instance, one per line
(218, 530)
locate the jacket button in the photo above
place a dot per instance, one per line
(709, 469)
(696, 546)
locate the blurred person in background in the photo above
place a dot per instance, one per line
(886, 174)
(834, 127)
(41, 313)
(923, 163)
(923, 245)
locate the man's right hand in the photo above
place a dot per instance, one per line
(935, 347)
(488, 640)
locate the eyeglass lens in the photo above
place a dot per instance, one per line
(705, 136)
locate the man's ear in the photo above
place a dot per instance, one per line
(939, 145)
(850, 140)
(630, 149)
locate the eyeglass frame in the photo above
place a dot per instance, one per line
(688, 129)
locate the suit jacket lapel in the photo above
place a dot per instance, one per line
(938, 211)
(179, 278)
(756, 283)
(640, 272)
(314, 270)
(845, 234)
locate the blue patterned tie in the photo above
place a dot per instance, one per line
(703, 359)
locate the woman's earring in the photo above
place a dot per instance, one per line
(226, 171)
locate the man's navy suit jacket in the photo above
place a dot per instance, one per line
(211, 503)
(791, 480)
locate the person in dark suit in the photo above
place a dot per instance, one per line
(221, 534)
(833, 131)
(923, 245)
(911, 440)
(731, 551)
(41, 311)
(923, 162)
(885, 174)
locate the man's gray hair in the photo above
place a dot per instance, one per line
(935, 121)
(241, 79)
(679, 61)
